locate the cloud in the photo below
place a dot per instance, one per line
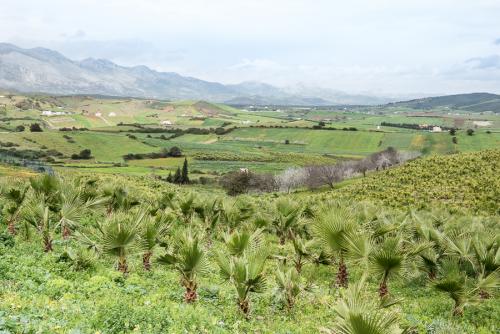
(492, 61)
(497, 41)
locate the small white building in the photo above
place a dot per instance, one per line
(436, 129)
(52, 113)
(166, 123)
(98, 114)
(112, 114)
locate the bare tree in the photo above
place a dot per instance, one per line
(318, 176)
(291, 178)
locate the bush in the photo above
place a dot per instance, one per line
(470, 132)
(236, 183)
(83, 155)
(35, 127)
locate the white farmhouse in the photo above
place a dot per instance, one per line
(52, 113)
(166, 123)
(436, 129)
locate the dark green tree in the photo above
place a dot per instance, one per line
(185, 172)
(175, 151)
(35, 127)
(178, 176)
(170, 178)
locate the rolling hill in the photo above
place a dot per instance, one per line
(474, 102)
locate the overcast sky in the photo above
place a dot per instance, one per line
(391, 47)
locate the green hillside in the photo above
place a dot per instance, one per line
(461, 181)
(475, 102)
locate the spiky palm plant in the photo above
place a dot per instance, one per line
(245, 273)
(117, 237)
(73, 208)
(15, 196)
(48, 187)
(453, 281)
(209, 211)
(234, 213)
(358, 313)
(331, 226)
(151, 233)
(387, 260)
(118, 198)
(288, 286)
(287, 219)
(240, 241)
(37, 213)
(188, 257)
(303, 252)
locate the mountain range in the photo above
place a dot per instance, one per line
(40, 70)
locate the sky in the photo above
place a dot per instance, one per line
(378, 47)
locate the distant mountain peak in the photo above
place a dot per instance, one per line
(47, 71)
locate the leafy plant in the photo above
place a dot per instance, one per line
(187, 256)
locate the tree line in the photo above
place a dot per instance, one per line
(312, 177)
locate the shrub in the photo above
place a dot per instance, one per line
(35, 127)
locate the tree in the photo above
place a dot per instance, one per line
(387, 260)
(287, 219)
(20, 128)
(170, 178)
(288, 286)
(185, 172)
(118, 237)
(236, 183)
(35, 127)
(175, 151)
(150, 235)
(453, 281)
(357, 313)
(291, 178)
(331, 228)
(318, 176)
(302, 252)
(15, 197)
(178, 176)
(470, 132)
(189, 259)
(37, 214)
(245, 272)
(85, 154)
(287, 141)
(453, 131)
(117, 198)
(454, 140)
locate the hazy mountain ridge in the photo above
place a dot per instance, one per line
(46, 71)
(475, 102)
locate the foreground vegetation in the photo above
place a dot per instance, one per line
(85, 253)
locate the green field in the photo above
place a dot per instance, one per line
(257, 141)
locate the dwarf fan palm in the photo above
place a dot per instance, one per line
(359, 314)
(15, 197)
(151, 233)
(246, 273)
(37, 213)
(287, 219)
(331, 226)
(187, 257)
(288, 285)
(117, 237)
